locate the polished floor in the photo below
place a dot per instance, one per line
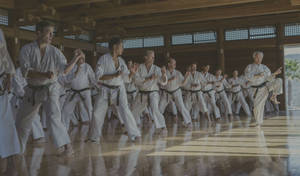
(224, 149)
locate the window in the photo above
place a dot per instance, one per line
(103, 44)
(4, 17)
(70, 37)
(205, 37)
(236, 34)
(133, 43)
(292, 30)
(182, 39)
(262, 32)
(28, 28)
(154, 41)
(85, 37)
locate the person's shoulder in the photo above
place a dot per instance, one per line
(28, 46)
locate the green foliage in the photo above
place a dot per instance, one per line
(292, 69)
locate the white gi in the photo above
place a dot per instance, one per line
(18, 84)
(237, 97)
(9, 143)
(41, 92)
(261, 86)
(80, 92)
(131, 92)
(172, 91)
(148, 94)
(111, 92)
(221, 94)
(209, 93)
(194, 99)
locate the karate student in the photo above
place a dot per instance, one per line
(220, 84)
(148, 78)
(110, 72)
(262, 81)
(9, 143)
(209, 92)
(237, 97)
(81, 84)
(172, 91)
(41, 64)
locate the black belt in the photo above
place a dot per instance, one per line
(79, 93)
(170, 92)
(258, 87)
(131, 92)
(148, 95)
(109, 94)
(35, 89)
(207, 92)
(191, 92)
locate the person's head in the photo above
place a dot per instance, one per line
(149, 57)
(194, 67)
(235, 73)
(44, 31)
(218, 72)
(206, 68)
(258, 57)
(130, 64)
(171, 63)
(115, 45)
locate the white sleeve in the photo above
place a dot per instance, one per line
(100, 68)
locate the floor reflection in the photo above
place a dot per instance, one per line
(228, 148)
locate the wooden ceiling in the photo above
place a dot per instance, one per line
(123, 17)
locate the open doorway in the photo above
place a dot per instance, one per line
(292, 76)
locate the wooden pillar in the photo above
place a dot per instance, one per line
(94, 52)
(280, 63)
(168, 44)
(14, 42)
(220, 49)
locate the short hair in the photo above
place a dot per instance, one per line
(114, 41)
(257, 52)
(169, 59)
(148, 52)
(40, 26)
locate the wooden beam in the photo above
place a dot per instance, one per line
(155, 7)
(63, 3)
(32, 4)
(208, 14)
(7, 4)
(206, 26)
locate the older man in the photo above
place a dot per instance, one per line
(172, 91)
(262, 81)
(148, 78)
(111, 70)
(41, 64)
